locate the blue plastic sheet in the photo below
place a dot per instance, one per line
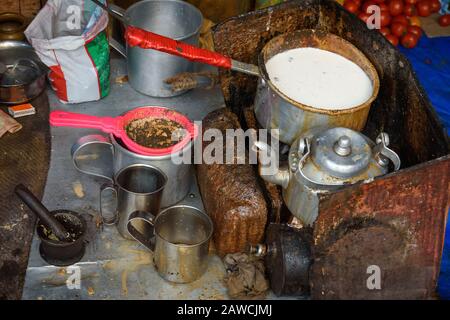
(431, 62)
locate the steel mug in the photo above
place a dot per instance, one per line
(179, 241)
(138, 187)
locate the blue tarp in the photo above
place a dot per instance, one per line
(431, 62)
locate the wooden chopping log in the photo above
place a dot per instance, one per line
(231, 194)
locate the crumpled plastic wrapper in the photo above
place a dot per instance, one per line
(8, 124)
(245, 276)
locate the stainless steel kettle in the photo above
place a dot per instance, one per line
(323, 160)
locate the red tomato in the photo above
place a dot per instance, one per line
(351, 6)
(364, 16)
(411, 1)
(379, 1)
(409, 40)
(385, 18)
(423, 8)
(385, 31)
(435, 6)
(398, 29)
(395, 7)
(392, 39)
(383, 7)
(444, 20)
(366, 5)
(415, 21)
(416, 30)
(401, 18)
(410, 10)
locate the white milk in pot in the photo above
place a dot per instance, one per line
(320, 79)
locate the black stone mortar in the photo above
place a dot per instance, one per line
(63, 253)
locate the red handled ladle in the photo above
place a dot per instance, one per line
(149, 40)
(117, 126)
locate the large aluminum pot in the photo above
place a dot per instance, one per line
(147, 69)
(274, 110)
(104, 157)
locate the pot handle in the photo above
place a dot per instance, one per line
(147, 218)
(116, 11)
(109, 221)
(99, 161)
(59, 118)
(382, 152)
(116, 45)
(148, 40)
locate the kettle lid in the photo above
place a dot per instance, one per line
(341, 152)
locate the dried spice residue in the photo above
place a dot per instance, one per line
(155, 132)
(74, 229)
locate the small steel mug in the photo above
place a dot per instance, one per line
(138, 187)
(179, 241)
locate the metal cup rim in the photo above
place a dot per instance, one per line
(187, 4)
(201, 212)
(163, 175)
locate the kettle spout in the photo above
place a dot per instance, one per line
(269, 168)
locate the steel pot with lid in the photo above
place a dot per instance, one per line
(22, 74)
(323, 160)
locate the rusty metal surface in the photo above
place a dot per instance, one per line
(396, 223)
(403, 213)
(219, 10)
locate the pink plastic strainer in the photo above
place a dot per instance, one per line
(117, 126)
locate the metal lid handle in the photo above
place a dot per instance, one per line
(382, 153)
